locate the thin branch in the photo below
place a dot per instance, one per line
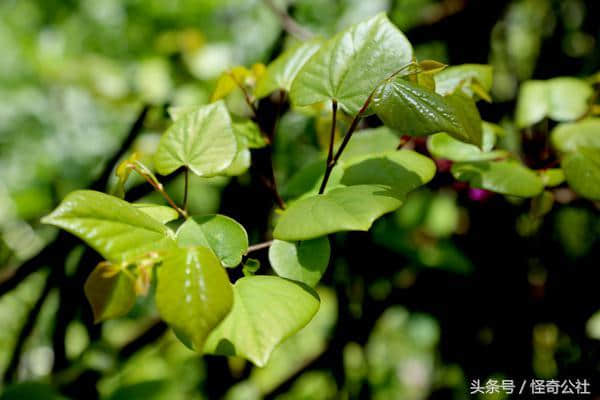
(259, 246)
(246, 94)
(160, 189)
(186, 175)
(270, 184)
(288, 23)
(334, 106)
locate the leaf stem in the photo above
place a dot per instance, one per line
(159, 188)
(334, 106)
(288, 23)
(246, 95)
(186, 174)
(259, 246)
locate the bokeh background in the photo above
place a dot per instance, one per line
(457, 285)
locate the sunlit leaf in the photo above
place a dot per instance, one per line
(464, 76)
(163, 214)
(303, 261)
(266, 310)
(110, 289)
(582, 170)
(193, 293)
(442, 145)
(113, 227)
(552, 176)
(413, 110)
(225, 236)
(349, 66)
(572, 136)
(369, 141)
(202, 140)
(506, 177)
(249, 135)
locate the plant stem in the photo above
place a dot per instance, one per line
(334, 106)
(288, 23)
(160, 189)
(246, 95)
(186, 175)
(259, 246)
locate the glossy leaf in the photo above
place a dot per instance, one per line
(202, 140)
(349, 66)
(303, 261)
(224, 235)
(266, 310)
(341, 209)
(463, 76)
(414, 110)
(110, 290)
(193, 293)
(283, 70)
(506, 177)
(560, 99)
(572, 136)
(162, 214)
(582, 170)
(402, 170)
(442, 145)
(113, 227)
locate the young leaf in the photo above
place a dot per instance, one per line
(202, 140)
(349, 66)
(560, 99)
(552, 176)
(249, 135)
(352, 208)
(225, 236)
(442, 145)
(281, 73)
(464, 76)
(572, 136)
(582, 170)
(266, 310)
(162, 214)
(113, 227)
(506, 177)
(193, 293)
(303, 261)
(402, 171)
(413, 110)
(110, 290)
(250, 267)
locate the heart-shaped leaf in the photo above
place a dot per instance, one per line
(225, 236)
(352, 208)
(506, 177)
(370, 141)
(413, 110)
(349, 66)
(163, 214)
(266, 310)
(572, 136)
(560, 99)
(442, 145)
(303, 261)
(202, 140)
(193, 293)
(113, 227)
(582, 170)
(110, 289)
(464, 76)
(283, 70)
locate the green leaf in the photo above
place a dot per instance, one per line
(224, 235)
(560, 99)
(413, 110)
(349, 66)
(249, 135)
(351, 208)
(202, 140)
(303, 261)
(442, 145)
(162, 214)
(193, 293)
(308, 180)
(582, 170)
(451, 78)
(110, 289)
(240, 163)
(552, 176)
(402, 170)
(572, 136)
(113, 227)
(369, 141)
(32, 391)
(283, 70)
(250, 267)
(266, 310)
(506, 177)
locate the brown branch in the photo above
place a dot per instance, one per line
(259, 246)
(334, 106)
(288, 23)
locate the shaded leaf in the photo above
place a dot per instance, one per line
(224, 235)
(303, 261)
(572, 136)
(582, 171)
(110, 289)
(369, 141)
(193, 294)
(552, 176)
(266, 310)
(249, 135)
(442, 145)
(463, 76)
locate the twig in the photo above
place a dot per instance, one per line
(259, 246)
(334, 106)
(160, 189)
(246, 94)
(288, 23)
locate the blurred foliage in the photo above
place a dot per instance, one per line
(73, 75)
